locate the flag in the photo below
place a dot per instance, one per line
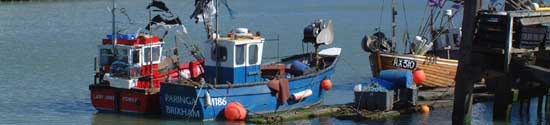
(159, 5)
(436, 3)
(204, 10)
(165, 19)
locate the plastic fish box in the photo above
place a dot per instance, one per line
(374, 101)
(530, 36)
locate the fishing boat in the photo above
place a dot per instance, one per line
(436, 57)
(129, 71)
(237, 84)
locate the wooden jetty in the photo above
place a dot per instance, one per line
(434, 98)
(511, 43)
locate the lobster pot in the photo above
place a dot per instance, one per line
(374, 100)
(407, 97)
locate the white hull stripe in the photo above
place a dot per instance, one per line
(420, 59)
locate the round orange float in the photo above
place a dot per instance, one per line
(425, 108)
(419, 76)
(326, 84)
(235, 111)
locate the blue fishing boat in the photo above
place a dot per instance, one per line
(234, 75)
(260, 88)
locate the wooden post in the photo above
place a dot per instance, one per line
(503, 99)
(503, 95)
(464, 79)
(547, 106)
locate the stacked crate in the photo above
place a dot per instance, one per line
(492, 33)
(530, 37)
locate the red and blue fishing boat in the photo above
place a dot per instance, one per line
(131, 67)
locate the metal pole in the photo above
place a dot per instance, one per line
(508, 50)
(151, 84)
(114, 34)
(218, 63)
(394, 26)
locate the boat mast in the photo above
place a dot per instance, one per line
(432, 31)
(394, 26)
(151, 78)
(218, 63)
(114, 34)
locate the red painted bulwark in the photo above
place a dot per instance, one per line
(139, 103)
(103, 99)
(138, 41)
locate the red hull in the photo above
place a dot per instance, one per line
(106, 98)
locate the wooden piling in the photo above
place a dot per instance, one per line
(503, 99)
(465, 82)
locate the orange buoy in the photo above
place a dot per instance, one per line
(425, 108)
(419, 76)
(326, 84)
(235, 111)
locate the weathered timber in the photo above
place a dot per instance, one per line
(465, 82)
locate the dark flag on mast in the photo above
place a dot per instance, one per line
(159, 5)
(164, 18)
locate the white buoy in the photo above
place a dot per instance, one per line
(449, 12)
(303, 94)
(208, 99)
(185, 73)
(535, 6)
(357, 88)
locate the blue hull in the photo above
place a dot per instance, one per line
(182, 101)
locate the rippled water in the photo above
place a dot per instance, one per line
(47, 50)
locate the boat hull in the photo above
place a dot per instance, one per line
(185, 101)
(439, 72)
(110, 99)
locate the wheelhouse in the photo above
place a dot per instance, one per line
(134, 59)
(239, 56)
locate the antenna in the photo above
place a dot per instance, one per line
(393, 25)
(114, 34)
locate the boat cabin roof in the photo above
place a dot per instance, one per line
(241, 39)
(139, 41)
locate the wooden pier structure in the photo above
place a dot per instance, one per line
(513, 46)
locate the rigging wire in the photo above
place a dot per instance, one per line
(406, 34)
(381, 15)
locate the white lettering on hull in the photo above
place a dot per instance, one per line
(183, 112)
(219, 101)
(109, 97)
(129, 99)
(175, 100)
(179, 99)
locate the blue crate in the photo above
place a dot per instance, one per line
(122, 36)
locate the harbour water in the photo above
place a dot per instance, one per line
(47, 50)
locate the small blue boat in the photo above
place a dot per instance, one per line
(233, 73)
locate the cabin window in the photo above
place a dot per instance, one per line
(222, 56)
(147, 54)
(123, 55)
(105, 56)
(239, 54)
(253, 54)
(135, 57)
(156, 53)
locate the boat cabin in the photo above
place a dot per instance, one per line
(239, 56)
(135, 57)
